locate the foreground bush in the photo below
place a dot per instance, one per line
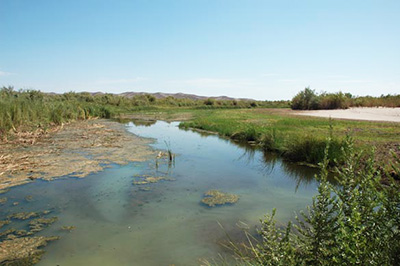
(354, 223)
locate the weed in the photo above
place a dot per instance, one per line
(353, 223)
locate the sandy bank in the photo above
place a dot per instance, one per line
(77, 149)
(362, 113)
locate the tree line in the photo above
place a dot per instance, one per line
(308, 99)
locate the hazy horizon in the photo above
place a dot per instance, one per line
(262, 50)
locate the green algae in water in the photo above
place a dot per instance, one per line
(4, 222)
(3, 200)
(23, 215)
(29, 198)
(69, 228)
(150, 180)
(215, 197)
(40, 224)
(118, 225)
(13, 233)
(144, 188)
(23, 251)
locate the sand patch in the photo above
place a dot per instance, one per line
(359, 113)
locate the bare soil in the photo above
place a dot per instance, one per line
(360, 113)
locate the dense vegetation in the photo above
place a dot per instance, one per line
(32, 108)
(309, 100)
(295, 138)
(354, 223)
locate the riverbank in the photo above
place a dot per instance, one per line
(298, 138)
(84, 147)
(75, 149)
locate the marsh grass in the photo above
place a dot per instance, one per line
(295, 138)
(171, 156)
(311, 150)
(30, 108)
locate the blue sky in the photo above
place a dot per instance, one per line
(255, 49)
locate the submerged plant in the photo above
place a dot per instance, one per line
(39, 224)
(152, 179)
(215, 197)
(171, 156)
(68, 228)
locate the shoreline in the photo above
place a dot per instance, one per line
(77, 149)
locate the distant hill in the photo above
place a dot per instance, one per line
(161, 95)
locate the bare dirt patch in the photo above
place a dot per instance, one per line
(77, 149)
(361, 113)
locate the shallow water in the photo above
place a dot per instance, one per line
(117, 224)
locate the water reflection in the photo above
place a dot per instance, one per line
(302, 175)
(136, 122)
(118, 223)
(146, 123)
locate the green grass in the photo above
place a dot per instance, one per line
(27, 109)
(299, 139)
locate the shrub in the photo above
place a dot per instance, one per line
(309, 100)
(305, 100)
(333, 101)
(354, 223)
(209, 101)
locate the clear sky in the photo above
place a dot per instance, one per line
(255, 49)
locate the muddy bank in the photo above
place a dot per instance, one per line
(77, 149)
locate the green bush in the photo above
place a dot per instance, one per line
(309, 100)
(305, 100)
(209, 101)
(333, 101)
(354, 223)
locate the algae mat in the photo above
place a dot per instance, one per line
(116, 222)
(77, 149)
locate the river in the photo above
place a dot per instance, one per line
(119, 223)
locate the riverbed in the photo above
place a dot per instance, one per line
(119, 223)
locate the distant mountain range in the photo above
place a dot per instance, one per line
(161, 95)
